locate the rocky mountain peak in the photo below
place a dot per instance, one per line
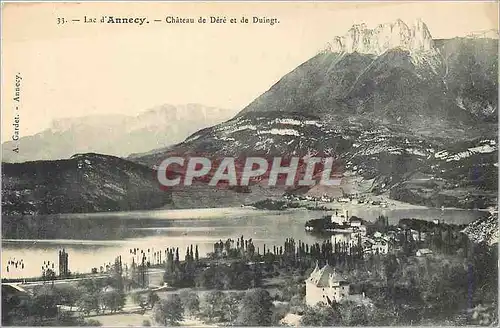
(359, 38)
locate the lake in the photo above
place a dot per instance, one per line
(94, 240)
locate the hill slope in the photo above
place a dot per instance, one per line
(484, 230)
(83, 183)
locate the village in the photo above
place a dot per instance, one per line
(345, 199)
(376, 238)
(360, 267)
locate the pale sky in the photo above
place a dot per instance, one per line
(79, 69)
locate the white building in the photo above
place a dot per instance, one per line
(376, 246)
(325, 198)
(355, 222)
(423, 252)
(325, 285)
(351, 230)
(357, 225)
(340, 217)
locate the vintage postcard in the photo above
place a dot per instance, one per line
(249, 164)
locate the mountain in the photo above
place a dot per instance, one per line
(83, 183)
(384, 37)
(471, 75)
(394, 74)
(406, 116)
(117, 135)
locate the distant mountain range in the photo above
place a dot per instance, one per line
(406, 115)
(117, 135)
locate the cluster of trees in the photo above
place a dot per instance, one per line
(94, 295)
(234, 275)
(242, 248)
(238, 264)
(100, 295)
(42, 307)
(237, 274)
(442, 237)
(145, 300)
(441, 290)
(279, 205)
(438, 289)
(251, 308)
(343, 314)
(181, 274)
(269, 204)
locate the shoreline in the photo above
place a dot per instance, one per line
(391, 205)
(194, 213)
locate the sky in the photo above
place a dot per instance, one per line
(78, 69)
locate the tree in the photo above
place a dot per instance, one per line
(320, 315)
(230, 305)
(297, 304)
(256, 309)
(88, 303)
(384, 316)
(280, 311)
(91, 292)
(68, 319)
(50, 274)
(91, 285)
(140, 300)
(14, 311)
(291, 289)
(391, 266)
(67, 294)
(168, 312)
(212, 305)
(114, 300)
(153, 298)
(190, 301)
(44, 302)
(353, 314)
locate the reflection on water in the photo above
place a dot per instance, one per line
(94, 240)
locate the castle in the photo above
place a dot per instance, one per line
(349, 230)
(340, 218)
(325, 285)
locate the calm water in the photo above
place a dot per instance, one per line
(93, 240)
